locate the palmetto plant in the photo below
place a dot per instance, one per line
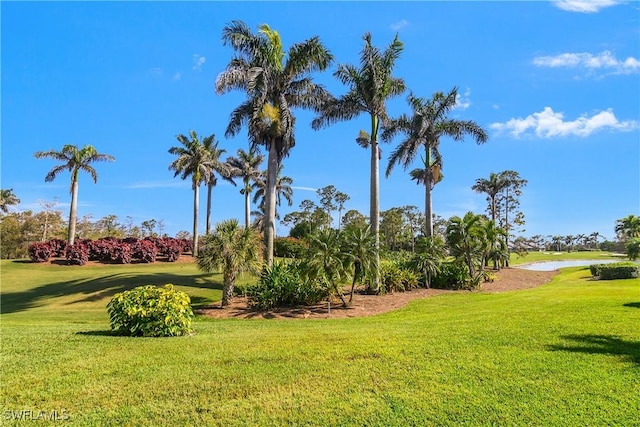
(275, 82)
(370, 85)
(193, 161)
(247, 167)
(422, 131)
(7, 198)
(360, 244)
(74, 160)
(234, 250)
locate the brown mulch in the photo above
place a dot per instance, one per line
(508, 279)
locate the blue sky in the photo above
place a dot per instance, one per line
(554, 83)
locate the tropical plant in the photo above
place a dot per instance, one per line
(423, 130)
(326, 263)
(628, 227)
(74, 160)
(215, 166)
(275, 83)
(233, 249)
(633, 248)
(247, 167)
(429, 256)
(494, 243)
(193, 161)
(465, 238)
(360, 244)
(282, 187)
(7, 198)
(151, 311)
(370, 86)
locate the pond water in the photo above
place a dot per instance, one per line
(554, 265)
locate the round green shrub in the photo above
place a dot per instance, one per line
(151, 311)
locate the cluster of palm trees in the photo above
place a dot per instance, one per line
(8, 198)
(276, 81)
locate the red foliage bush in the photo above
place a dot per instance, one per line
(171, 248)
(58, 247)
(122, 253)
(39, 252)
(145, 251)
(78, 253)
(102, 249)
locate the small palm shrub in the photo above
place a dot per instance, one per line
(397, 277)
(78, 253)
(452, 275)
(151, 311)
(39, 252)
(633, 248)
(281, 286)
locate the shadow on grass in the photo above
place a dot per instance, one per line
(601, 344)
(632, 304)
(99, 333)
(95, 289)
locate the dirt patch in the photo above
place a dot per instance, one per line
(508, 279)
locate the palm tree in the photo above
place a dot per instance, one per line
(275, 82)
(428, 260)
(370, 86)
(215, 165)
(494, 243)
(74, 160)
(246, 166)
(7, 198)
(282, 187)
(326, 261)
(360, 243)
(193, 160)
(233, 249)
(492, 187)
(424, 129)
(628, 227)
(465, 239)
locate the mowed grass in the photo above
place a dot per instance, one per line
(566, 353)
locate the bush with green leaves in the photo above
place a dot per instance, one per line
(289, 247)
(397, 277)
(281, 286)
(452, 275)
(617, 270)
(151, 311)
(633, 248)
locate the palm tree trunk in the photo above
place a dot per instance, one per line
(374, 213)
(73, 211)
(270, 200)
(428, 213)
(229, 282)
(247, 206)
(208, 226)
(196, 193)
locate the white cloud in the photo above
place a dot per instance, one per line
(305, 188)
(177, 76)
(549, 124)
(198, 61)
(495, 106)
(584, 6)
(604, 60)
(463, 100)
(396, 26)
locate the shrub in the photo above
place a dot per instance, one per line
(171, 248)
(452, 275)
(397, 277)
(633, 249)
(151, 311)
(617, 270)
(58, 247)
(39, 252)
(280, 286)
(145, 251)
(289, 247)
(122, 253)
(102, 249)
(78, 253)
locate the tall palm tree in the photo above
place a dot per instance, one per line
(7, 198)
(193, 161)
(233, 249)
(275, 82)
(370, 86)
(74, 160)
(215, 166)
(246, 166)
(492, 187)
(423, 130)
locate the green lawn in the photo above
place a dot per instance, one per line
(566, 353)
